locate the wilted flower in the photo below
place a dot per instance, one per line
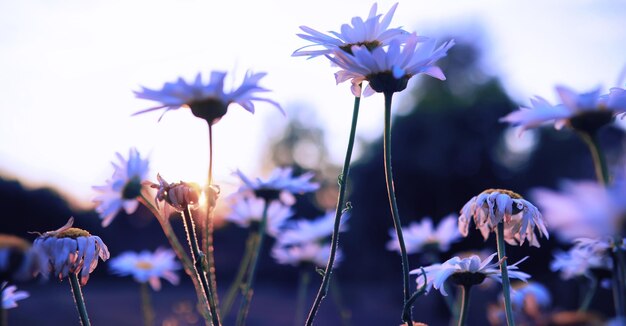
(19, 261)
(122, 190)
(147, 266)
(280, 184)
(208, 101)
(303, 231)
(71, 250)
(467, 271)
(179, 195)
(389, 69)
(371, 33)
(419, 235)
(584, 111)
(10, 295)
(494, 206)
(308, 252)
(247, 209)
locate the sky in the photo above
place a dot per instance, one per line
(68, 69)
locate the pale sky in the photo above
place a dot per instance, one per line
(68, 69)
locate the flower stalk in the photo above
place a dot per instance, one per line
(394, 206)
(591, 291)
(247, 293)
(146, 305)
(465, 295)
(343, 182)
(78, 299)
(303, 285)
(209, 227)
(241, 273)
(599, 162)
(506, 283)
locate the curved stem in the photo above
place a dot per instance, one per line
(247, 294)
(591, 291)
(241, 272)
(599, 161)
(79, 300)
(465, 294)
(197, 257)
(392, 202)
(506, 283)
(209, 227)
(343, 182)
(303, 285)
(146, 305)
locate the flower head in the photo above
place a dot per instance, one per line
(247, 209)
(419, 235)
(467, 271)
(581, 111)
(494, 206)
(302, 231)
(178, 195)
(147, 266)
(121, 191)
(207, 100)
(371, 33)
(10, 295)
(71, 250)
(308, 252)
(280, 184)
(389, 69)
(19, 261)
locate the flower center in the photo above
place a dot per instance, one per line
(591, 121)
(507, 192)
(370, 45)
(467, 278)
(132, 189)
(143, 265)
(210, 109)
(268, 194)
(72, 233)
(385, 82)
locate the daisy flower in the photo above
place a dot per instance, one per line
(581, 111)
(249, 209)
(121, 191)
(303, 231)
(371, 33)
(280, 184)
(389, 69)
(71, 250)
(579, 261)
(308, 252)
(19, 261)
(147, 266)
(207, 100)
(494, 206)
(422, 234)
(467, 271)
(10, 296)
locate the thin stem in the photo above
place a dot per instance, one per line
(197, 257)
(209, 227)
(392, 202)
(343, 182)
(303, 285)
(79, 300)
(247, 293)
(235, 287)
(599, 162)
(591, 291)
(465, 294)
(344, 313)
(506, 283)
(146, 305)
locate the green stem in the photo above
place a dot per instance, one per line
(209, 227)
(303, 285)
(343, 182)
(235, 287)
(197, 257)
(506, 283)
(591, 291)
(599, 161)
(465, 294)
(247, 294)
(79, 300)
(392, 202)
(146, 305)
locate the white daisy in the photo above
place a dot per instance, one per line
(308, 252)
(280, 184)
(147, 266)
(303, 231)
(122, 190)
(466, 271)
(418, 235)
(580, 261)
(494, 206)
(371, 33)
(207, 100)
(10, 296)
(388, 69)
(71, 250)
(247, 209)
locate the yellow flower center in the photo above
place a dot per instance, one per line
(143, 265)
(73, 233)
(509, 193)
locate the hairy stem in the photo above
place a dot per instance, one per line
(506, 283)
(79, 300)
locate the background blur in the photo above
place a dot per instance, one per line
(68, 71)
